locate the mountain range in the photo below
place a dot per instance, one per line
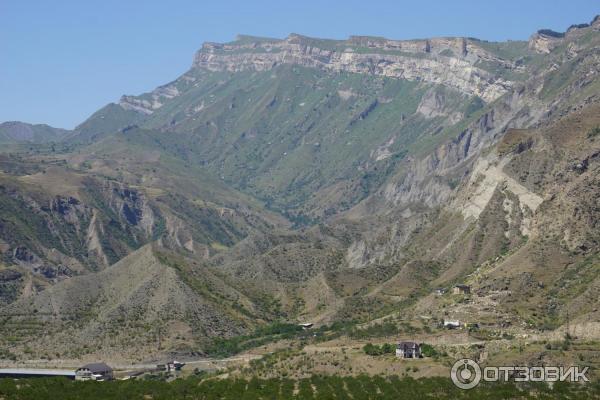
(310, 180)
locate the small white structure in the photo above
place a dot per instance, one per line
(452, 324)
(174, 366)
(461, 289)
(306, 325)
(170, 366)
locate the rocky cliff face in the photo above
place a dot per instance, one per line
(153, 102)
(545, 41)
(88, 230)
(526, 105)
(523, 84)
(435, 178)
(449, 61)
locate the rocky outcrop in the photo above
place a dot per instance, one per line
(93, 242)
(132, 206)
(90, 229)
(448, 61)
(434, 104)
(486, 178)
(140, 105)
(149, 102)
(544, 41)
(426, 179)
(26, 258)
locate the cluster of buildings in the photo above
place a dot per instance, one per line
(413, 349)
(171, 366)
(103, 372)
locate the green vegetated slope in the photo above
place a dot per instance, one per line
(286, 134)
(310, 142)
(108, 119)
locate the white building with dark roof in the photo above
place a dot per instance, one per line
(408, 350)
(94, 372)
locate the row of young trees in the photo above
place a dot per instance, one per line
(317, 387)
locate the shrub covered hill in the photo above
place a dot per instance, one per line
(315, 180)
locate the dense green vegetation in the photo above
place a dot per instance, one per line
(594, 132)
(270, 333)
(316, 387)
(374, 350)
(265, 334)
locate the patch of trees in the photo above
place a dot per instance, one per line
(375, 350)
(360, 387)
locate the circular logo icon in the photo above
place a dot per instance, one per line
(465, 373)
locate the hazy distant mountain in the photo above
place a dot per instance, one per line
(14, 131)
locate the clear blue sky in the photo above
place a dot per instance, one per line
(62, 60)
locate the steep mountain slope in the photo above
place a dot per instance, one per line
(314, 126)
(522, 230)
(140, 306)
(432, 178)
(63, 217)
(258, 112)
(257, 131)
(443, 213)
(554, 275)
